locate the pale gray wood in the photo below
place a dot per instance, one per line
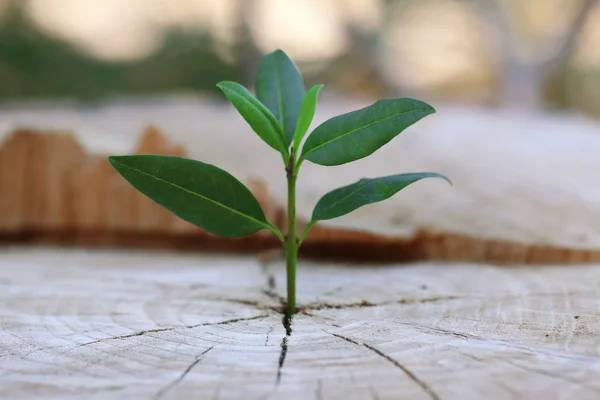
(126, 325)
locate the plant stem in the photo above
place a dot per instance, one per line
(291, 245)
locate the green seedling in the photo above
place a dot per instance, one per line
(281, 114)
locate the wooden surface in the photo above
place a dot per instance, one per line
(53, 191)
(525, 188)
(125, 325)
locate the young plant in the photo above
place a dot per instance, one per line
(280, 114)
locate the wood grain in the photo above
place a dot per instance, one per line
(127, 325)
(52, 191)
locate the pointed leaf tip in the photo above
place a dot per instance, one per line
(358, 134)
(366, 191)
(279, 86)
(260, 119)
(307, 113)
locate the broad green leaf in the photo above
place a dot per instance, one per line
(279, 86)
(346, 199)
(200, 193)
(307, 112)
(256, 115)
(355, 135)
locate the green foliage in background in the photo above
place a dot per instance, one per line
(34, 65)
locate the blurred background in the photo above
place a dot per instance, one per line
(529, 54)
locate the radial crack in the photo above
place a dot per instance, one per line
(284, 348)
(255, 303)
(171, 385)
(172, 328)
(397, 364)
(407, 371)
(270, 290)
(141, 333)
(229, 321)
(366, 304)
(286, 320)
(287, 324)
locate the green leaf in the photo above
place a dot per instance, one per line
(346, 199)
(307, 112)
(279, 86)
(355, 135)
(200, 193)
(256, 115)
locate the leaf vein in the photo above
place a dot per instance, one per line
(360, 127)
(198, 195)
(278, 135)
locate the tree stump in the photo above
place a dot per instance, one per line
(155, 325)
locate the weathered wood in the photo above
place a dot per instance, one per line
(518, 176)
(112, 325)
(52, 191)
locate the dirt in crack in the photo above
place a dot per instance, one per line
(284, 348)
(271, 289)
(287, 324)
(286, 320)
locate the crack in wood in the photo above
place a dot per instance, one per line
(347, 339)
(284, 348)
(177, 381)
(142, 333)
(279, 299)
(311, 315)
(432, 329)
(287, 325)
(271, 288)
(396, 363)
(229, 321)
(406, 370)
(286, 319)
(472, 357)
(254, 303)
(272, 294)
(367, 304)
(271, 329)
(270, 291)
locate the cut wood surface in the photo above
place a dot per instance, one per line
(52, 191)
(127, 325)
(518, 176)
(524, 192)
